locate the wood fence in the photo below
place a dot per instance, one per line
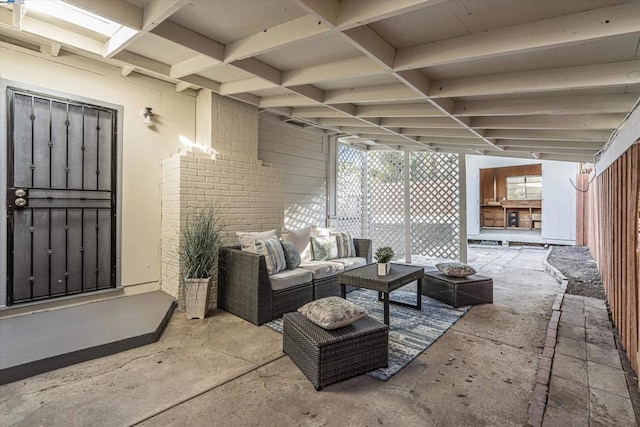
(613, 222)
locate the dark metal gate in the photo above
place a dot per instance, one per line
(61, 201)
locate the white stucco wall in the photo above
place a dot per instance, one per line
(558, 197)
(142, 147)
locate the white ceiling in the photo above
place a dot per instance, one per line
(540, 79)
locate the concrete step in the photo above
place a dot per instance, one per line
(46, 340)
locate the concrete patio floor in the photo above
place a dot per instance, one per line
(225, 371)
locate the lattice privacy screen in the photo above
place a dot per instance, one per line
(371, 200)
(351, 167)
(386, 215)
(435, 201)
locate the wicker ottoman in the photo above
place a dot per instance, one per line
(458, 291)
(328, 356)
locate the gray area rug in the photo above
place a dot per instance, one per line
(411, 331)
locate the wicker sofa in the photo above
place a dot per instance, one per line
(247, 290)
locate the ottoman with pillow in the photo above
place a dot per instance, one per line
(457, 284)
(332, 339)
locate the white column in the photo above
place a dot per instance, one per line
(462, 197)
(407, 206)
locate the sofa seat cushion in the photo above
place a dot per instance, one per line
(321, 269)
(289, 278)
(351, 262)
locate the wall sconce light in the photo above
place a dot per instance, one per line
(147, 114)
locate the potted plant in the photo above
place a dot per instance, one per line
(200, 241)
(384, 255)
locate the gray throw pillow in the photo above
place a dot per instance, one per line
(292, 255)
(346, 248)
(273, 253)
(324, 248)
(332, 312)
(455, 269)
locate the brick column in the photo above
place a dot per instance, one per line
(245, 193)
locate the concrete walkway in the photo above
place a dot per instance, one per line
(225, 371)
(588, 385)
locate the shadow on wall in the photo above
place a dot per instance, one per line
(311, 210)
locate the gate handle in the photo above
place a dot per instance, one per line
(17, 197)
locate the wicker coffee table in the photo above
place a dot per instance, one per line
(367, 277)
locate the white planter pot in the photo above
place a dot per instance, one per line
(383, 268)
(196, 297)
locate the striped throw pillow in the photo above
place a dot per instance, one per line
(271, 248)
(346, 248)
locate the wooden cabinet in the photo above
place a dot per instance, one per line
(492, 216)
(512, 215)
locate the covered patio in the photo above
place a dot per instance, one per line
(225, 371)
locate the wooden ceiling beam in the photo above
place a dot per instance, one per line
(544, 34)
(185, 37)
(153, 14)
(537, 143)
(281, 35)
(371, 44)
(317, 112)
(576, 104)
(388, 93)
(192, 65)
(245, 85)
(343, 69)
(347, 14)
(554, 135)
(423, 122)
(580, 77)
(143, 62)
(290, 100)
(442, 133)
(260, 69)
(398, 110)
(582, 121)
(372, 130)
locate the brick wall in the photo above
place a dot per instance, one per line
(246, 194)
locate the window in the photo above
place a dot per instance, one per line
(524, 187)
